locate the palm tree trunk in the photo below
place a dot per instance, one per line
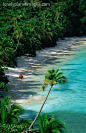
(17, 43)
(40, 108)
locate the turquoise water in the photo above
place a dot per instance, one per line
(67, 98)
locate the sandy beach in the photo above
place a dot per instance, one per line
(63, 104)
(26, 66)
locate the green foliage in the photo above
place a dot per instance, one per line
(9, 117)
(53, 77)
(3, 79)
(7, 128)
(49, 124)
(24, 29)
(2, 85)
(25, 122)
(9, 114)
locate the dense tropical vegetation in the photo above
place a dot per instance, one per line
(24, 29)
(3, 79)
(9, 117)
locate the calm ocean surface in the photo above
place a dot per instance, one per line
(66, 100)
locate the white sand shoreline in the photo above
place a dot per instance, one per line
(24, 63)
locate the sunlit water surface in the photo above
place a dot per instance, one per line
(66, 100)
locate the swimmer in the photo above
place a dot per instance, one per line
(20, 76)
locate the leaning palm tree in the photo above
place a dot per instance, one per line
(51, 78)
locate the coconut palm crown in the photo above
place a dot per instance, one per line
(53, 77)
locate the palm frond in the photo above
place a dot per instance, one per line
(13, 119)
(51, 71)
(7, 100)
(54, 82)
(16, 109)
(44, 86)
(47, 76)
(59, 75)
(48, 124)
(41, 125)
(46, 80)
(58, 70)
(2, 112)
(62, 79)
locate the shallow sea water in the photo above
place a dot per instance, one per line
(66, 100)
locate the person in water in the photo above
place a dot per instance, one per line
(20, 76)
